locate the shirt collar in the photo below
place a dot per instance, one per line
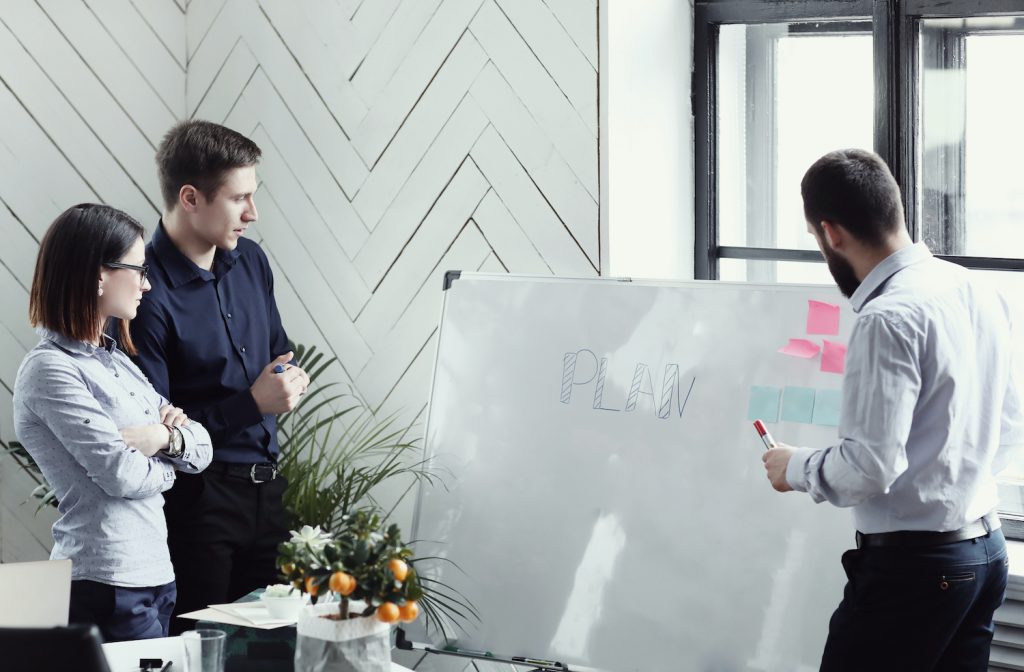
(180, 269)
(890, 266)
(75, 346)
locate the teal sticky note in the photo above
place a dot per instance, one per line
(764, 404)
(797, 404)
(826, 407)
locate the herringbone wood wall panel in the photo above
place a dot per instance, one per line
(401, 139)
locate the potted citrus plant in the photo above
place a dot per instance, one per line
(365, 564)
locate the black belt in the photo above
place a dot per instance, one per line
(261, 472)
(913, 538)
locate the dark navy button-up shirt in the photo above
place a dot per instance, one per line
(204, 337)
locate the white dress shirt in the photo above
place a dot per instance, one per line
(931, 410)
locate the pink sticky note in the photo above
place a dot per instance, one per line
(800, 347)
(822, 318)
(833, 357)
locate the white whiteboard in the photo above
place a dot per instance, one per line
(591, 531)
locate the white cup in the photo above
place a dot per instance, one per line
(204, 650)
(284, 608)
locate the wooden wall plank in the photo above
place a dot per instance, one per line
(538, 91)
(432, 238)
(117, 74)
(413, 202)
(166, 20)
(512, 247)
(540, 158)
(406, 86)
(390, 48)
(138, 41)
(419, 130)
(579, 19)
(544, 35)
(534, 215)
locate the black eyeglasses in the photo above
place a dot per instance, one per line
(143, 270)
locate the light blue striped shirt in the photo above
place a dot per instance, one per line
(71, 399)
(931, 401)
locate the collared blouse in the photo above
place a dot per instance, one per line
(71, 399)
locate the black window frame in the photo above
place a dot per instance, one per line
(895, 65)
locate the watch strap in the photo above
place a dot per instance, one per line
(175, 443)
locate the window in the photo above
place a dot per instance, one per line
(778, 83)
(931, 85)
(970, 196)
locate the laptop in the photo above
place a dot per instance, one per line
(35, 594)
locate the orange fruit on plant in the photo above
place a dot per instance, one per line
(408, 611)
(311, 587)
(388, 612)
(287, 568)
(398, 568)
(342, 583)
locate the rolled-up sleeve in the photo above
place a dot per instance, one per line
(198, 448)
(62, 402)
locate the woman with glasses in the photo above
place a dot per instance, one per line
(105, 440)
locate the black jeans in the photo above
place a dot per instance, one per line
(222, 532)
(120, 613)
(918, 609)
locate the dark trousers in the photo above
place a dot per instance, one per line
(918, 609)
(222, 532)
(122, 614)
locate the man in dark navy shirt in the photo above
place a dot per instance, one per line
(210, 338)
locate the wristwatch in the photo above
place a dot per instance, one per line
(176, 443)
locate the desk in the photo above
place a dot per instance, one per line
(124, 656)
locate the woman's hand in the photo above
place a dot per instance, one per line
(147, 439)
(172, 415)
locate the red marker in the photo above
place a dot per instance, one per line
(762, 431)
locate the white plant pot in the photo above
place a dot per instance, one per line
(353, 645)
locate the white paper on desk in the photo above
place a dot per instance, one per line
(248, 614)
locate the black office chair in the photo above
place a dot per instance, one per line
(75, 647)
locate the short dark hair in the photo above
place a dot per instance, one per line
(200, 153)
(76, 246)
(853, 188)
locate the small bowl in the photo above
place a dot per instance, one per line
(283, 608)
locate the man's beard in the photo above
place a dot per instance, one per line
(842, 272)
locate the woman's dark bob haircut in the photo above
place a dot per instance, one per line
(76, 246)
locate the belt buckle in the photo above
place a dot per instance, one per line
(257, 481)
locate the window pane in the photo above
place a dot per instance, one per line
(787, 93)
(971, 193)
(1011, 485)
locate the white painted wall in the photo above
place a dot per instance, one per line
(648, 152)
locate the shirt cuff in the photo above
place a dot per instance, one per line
(796, 470)
(183, 463)
(168, 476)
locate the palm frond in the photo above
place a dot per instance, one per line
(42, 492)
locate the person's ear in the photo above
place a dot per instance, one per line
(104, 274)
(834, 234)
(188, 198)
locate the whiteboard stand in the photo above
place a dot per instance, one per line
(536, 665)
